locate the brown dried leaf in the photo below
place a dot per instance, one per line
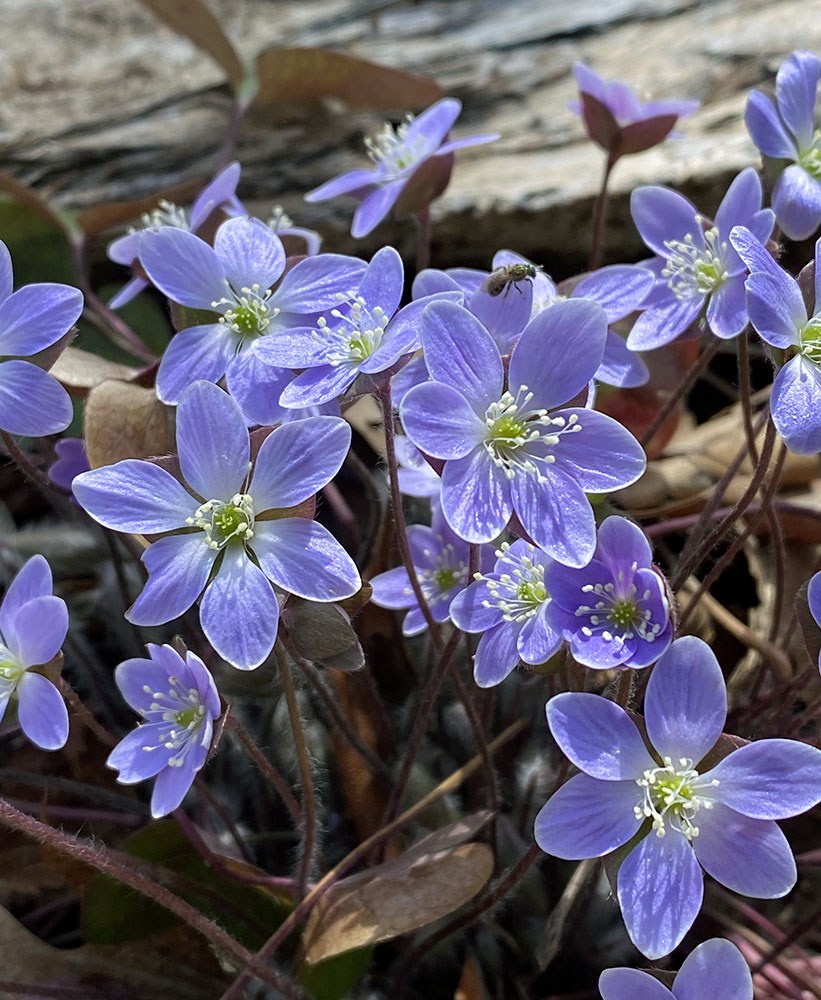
(123, 420)
(302, 74)
(395, 898)
(193, 20)
(98, 218)
(80, 371)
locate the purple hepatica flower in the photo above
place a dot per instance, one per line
(71, 461)
(814, 599)
(357, 339)
(33, 625)
(716, 968)
(222, 538)
(441, 560)
(785, 130)
(509, 606)
(617, 120)
(505, 452)
(235, 278)
(125, 250)
(178, 700)
(614, 611)
(721, 819)
(696, 268)
(778, 313)
(416, 476)
(32, 402)
(397, 155)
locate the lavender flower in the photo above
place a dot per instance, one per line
(784, 129)
(614, 611)
(234, 544)
(235, 278)
(698, 273)
(71, 461)
(33, 625)
(778, 313)
(282, 224)
(716, 968)
(440, 560)
(614, 117)
(504, 451)
(720, 819)
(398, 154)
(814, 599)
(509, 606)
(179, 702)
(416, 476)
(125, 250)
(35, 317)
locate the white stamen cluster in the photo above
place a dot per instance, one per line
(672, 797)
(279, 219)
(694, 271)
(810, 341)
(514, 429)
(358, 333)
(165, 214)
(389, 148)
(810, 158)
(249, 313)
(223, 521)
(11, 670)
(438, 581)
(618, 611)
(184, 712)
(520, 592)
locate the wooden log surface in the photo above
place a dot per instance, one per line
(101, 102)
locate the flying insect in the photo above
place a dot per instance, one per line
(508, 276)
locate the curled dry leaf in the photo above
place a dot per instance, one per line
(80, 371)
(416, 889)
(123, 420)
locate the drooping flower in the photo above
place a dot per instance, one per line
(33, 318)
(440, 560)
(814, 599)
(614, 611)
(616, 120)
(716, 968)
(282, 224)
(125, 250)
(178, 701)
(698, 273)
(397, 155)
(720, 819)
(33, 625)
(778, 313)
(506, 448)
(70, 462)
(234, 544)
(784, 130)
(510, 607)
(236, 279)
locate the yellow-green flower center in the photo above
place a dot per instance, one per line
(223, 522)
(810, 159)
(810, 340)
(672, 796)
(692, 270)
(445, 578)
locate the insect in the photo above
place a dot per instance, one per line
(508, 276)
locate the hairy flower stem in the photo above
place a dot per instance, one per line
(687, 382)
(105, 861)
(405, 966)
(399, 514)
(29, 469)
(600, 212)
(258, 757)
(625, 688)
(85, 715)
(305, 776)
(423, 236)
(299, 914)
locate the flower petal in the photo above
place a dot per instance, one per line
(795, 403)
(239, 612)
(32, 402)
(140, 754)
(727, 309)
(661, 324)
(660, 889)
(770, 779)
(171, 787)
(587, 818)
(476, 498)
(136, 496)
(767, 129)
(431, 127)
(250, 254)
(505, 315)
(738, 206)
(460, 352)
(304, 558)
(750, 856)
(212, 442)
(139, 678)
(797, 202)
(353, 180)
(318, 385)
(631, 984)
(496, 655)
(313, 284)
(662, 215)
(41, 711)
(714, 961)
(33, 579)
(35, 316)
(183, 267)
(375, 206)
(556, 514)
(257, 387)
(619, 289)
(178, 569)
(598, 736)
(620, 366)
(685, 706)
(776, 308)
(6, 272)
(297, 459)
(383, 281)
(199, 352)
(538, 640)
(440, 421)
(37, 630)
(600, 456)
(558, 352)
(795, 85)
(392, 590)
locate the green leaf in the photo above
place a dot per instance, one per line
(334, 978)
